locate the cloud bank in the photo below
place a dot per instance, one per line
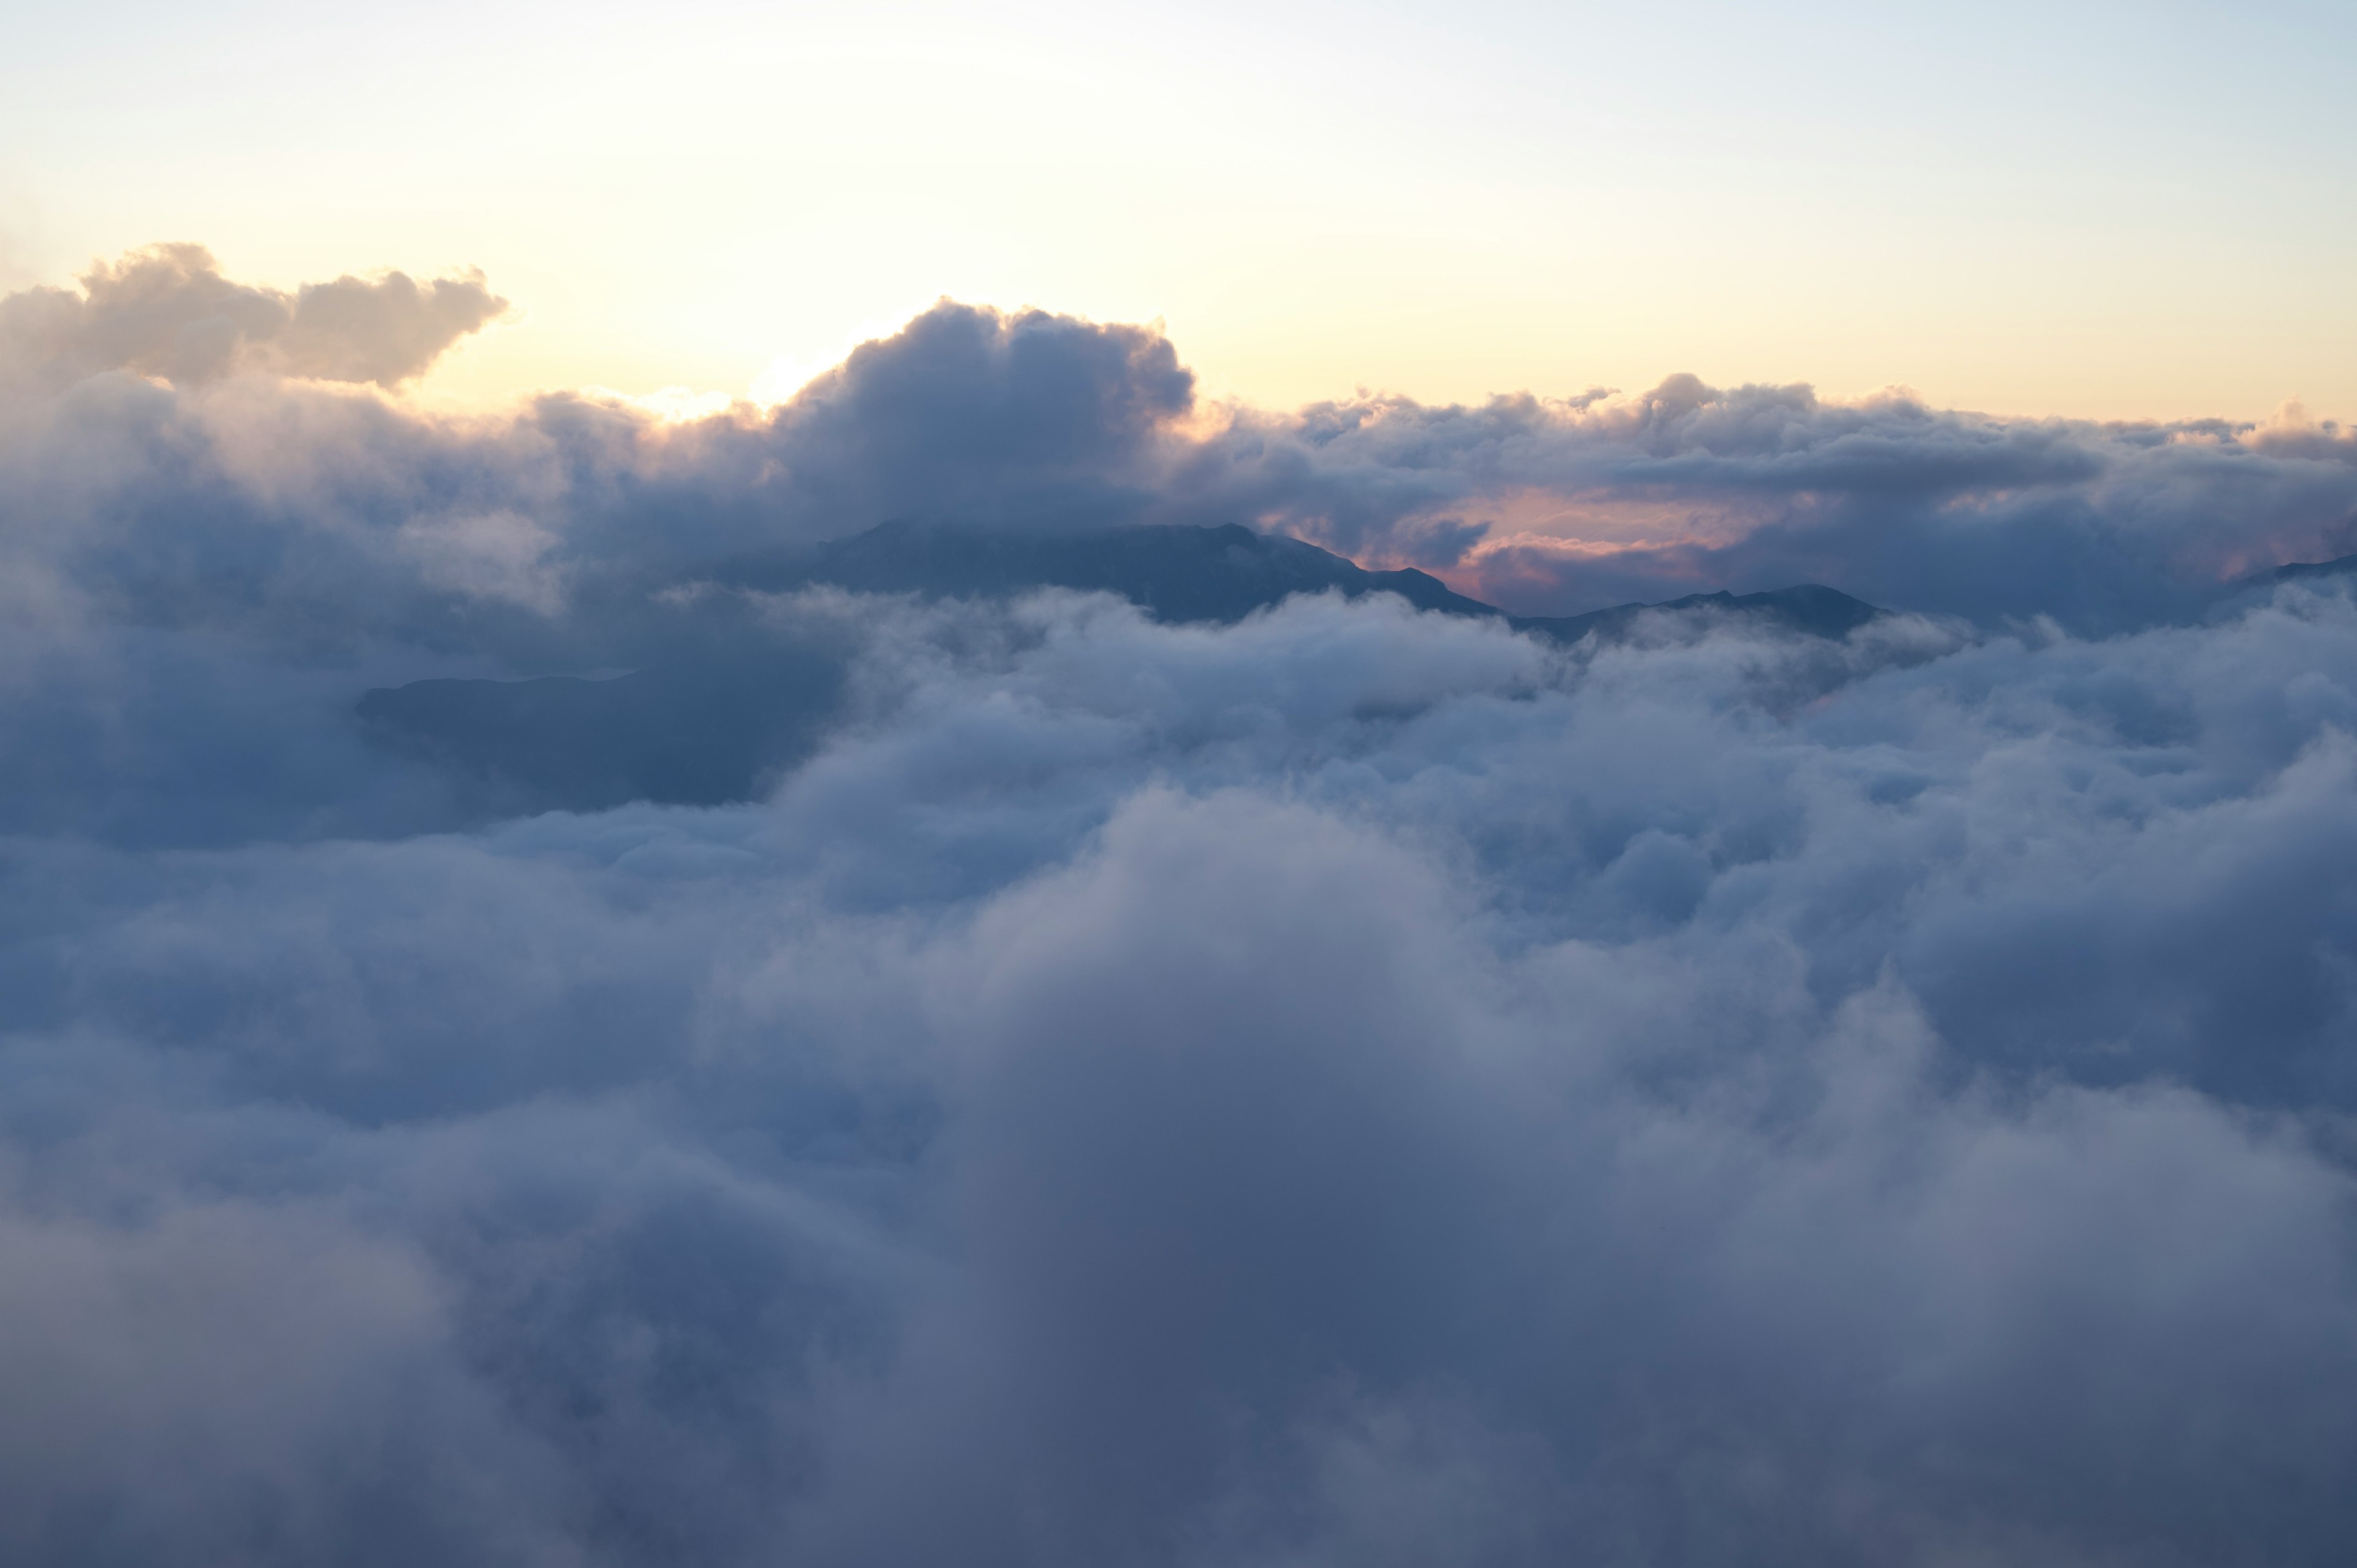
(1348, 1086)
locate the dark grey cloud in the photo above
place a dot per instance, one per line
(1340, 1085)
(966, 416)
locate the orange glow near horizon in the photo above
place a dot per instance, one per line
(1504, 200)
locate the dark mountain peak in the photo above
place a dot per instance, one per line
(706, 729)
(1177, 572)
(1225, 572)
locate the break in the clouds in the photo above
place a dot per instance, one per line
(1006, 1076)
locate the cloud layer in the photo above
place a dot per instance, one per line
(1564, 506)
(1351, 1085)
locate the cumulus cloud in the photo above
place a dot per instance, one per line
(1037, 422)
(168, 312)
(1344, 1085)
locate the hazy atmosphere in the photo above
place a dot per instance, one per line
(997, 936)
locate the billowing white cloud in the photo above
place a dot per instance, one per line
(1349, 1085)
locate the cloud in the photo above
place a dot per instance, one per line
(966, 413)
(221, 1374)
(1349, 1085)
(1039, 422)
(168, 312)
(1687, 486)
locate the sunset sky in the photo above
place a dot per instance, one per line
(2105, 210)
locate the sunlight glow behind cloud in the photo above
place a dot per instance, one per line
(2077, 210)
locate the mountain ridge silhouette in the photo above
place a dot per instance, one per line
(712, 728)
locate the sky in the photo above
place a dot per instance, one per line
(601, 979)
(2103, 211)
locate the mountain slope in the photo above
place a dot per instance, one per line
(1179, 574)
(1808, 607)
(711, 729)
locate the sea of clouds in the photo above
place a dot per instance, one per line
(1353, 1087)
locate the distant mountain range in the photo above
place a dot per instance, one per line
(713, 729)
(1174, 573)
(695, 732)
(1224, 573)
